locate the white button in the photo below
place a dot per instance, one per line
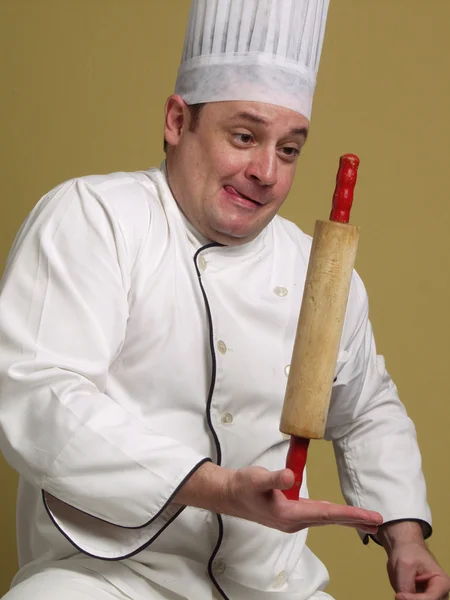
(280, 291)
(285, 436)
(221, 347)
(280, 579)
(226, 418)
(202, 263)
(219, 567)
(287, 368)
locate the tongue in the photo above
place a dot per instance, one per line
(233, 192)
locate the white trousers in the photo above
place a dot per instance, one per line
(77, 583)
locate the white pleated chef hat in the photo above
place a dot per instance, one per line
(254, 50)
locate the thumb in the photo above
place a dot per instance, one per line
(275, 480)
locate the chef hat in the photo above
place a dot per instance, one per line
(254, 50)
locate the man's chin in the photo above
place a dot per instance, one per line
(234, 236)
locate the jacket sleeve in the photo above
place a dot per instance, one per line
(375, 444)
(63, 319)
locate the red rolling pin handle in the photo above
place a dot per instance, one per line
(345, 185)
(295, 461)
(342, 204)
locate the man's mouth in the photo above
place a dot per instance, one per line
(234, 192)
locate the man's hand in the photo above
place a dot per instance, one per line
(413, 571)
(255, 494)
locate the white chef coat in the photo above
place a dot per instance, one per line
(132, 351)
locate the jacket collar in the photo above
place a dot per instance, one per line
(197, 239)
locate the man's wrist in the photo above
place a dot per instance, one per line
(206, 488)
(392, 535)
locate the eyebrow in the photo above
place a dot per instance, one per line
(247, 116)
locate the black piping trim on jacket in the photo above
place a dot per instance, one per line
(208, 410)
(427, 530)
(144, 546)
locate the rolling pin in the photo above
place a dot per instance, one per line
(320, 323)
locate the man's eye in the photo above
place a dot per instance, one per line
(243, 138)
(289, 151)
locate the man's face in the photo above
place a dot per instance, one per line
(232, 173)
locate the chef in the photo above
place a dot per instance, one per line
(147, 321)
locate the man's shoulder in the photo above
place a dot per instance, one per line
(132, 199)
(121, 206)
(124, 189)
(105, 181)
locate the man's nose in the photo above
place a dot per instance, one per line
(263, 167)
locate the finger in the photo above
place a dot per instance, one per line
(344, 509)
(326, 513)
(274, 480)
(424, 596)
(437, 589)
(286, 479)
(372, 529)
(427, 576)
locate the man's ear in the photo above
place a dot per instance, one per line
(176, 119)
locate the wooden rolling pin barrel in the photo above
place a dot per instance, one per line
(320, 324)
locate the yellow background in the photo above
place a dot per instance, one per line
(83, 83)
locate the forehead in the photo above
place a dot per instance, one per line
(268, 116)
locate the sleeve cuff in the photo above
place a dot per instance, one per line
(108, 541)
(427, 530)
